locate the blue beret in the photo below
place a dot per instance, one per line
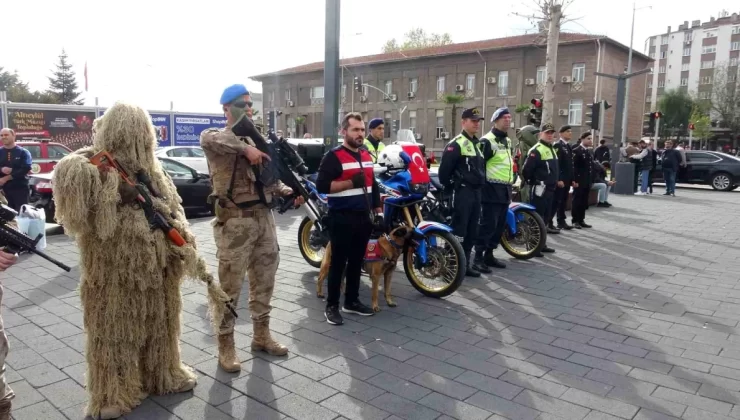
(233, 92)
(375, 122)
(499, 113)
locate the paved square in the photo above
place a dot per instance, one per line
(633, 319)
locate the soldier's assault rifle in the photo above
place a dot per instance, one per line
(156, 219)
(14, 241)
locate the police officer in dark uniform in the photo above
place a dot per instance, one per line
(463, 170)
(541, 172)
(565, 165)
(583, 171)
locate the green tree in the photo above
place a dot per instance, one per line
(676, 106)
(63, 83)
(417, 38)
(18, 91)
(453, 100)
(702, 124)
(725, 100)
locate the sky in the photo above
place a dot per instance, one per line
(186, 52)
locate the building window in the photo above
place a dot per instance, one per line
(503, 83)
(707, 64)
(731, 77)
(735, 46)
(685, 67)
(710, 34)
(664, 40)
(579, 72)
(648, 99)
(287, 94)
(387, 116)
(662, 54)
(364, 116)
(652, 42)
(271, 98)
(470, 82)
(650, 84)
(705, 95)
(388, 87)
(708, 49)
(661, 69)
(661, 84)
(687, 36)
(733, 61)
(652, 54)
(344, 91)
(541, 75)
(412, 121)
(365, 91)
(706, 80)
(413, 85)
(440, 83)
(687, 52)
(575, 112)
(684, 82)
(317, 92)
(440, 123)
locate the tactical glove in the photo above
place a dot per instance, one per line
(358, 180)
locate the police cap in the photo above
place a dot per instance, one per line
(472, 114)
(232, 93)
(547, 127)
(375, 122)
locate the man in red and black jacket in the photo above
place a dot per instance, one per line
(345, 175)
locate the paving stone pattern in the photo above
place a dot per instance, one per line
(636, 318)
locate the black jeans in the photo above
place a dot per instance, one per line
(542, 204)
(492, 224)
(17, 197)
(349, 232)
(559, 202)
(465, 216)
(580, 203)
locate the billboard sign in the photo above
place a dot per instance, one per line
(188, 127)
(70, 128)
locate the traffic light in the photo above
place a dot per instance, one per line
(535, 117)
(394, 126)
(594, 115)
(648, 127)
(358, 84)
(692, 127)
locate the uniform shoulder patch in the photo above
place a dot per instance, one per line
(450, 148)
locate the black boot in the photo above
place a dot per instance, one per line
(479, 264)
(490, 260)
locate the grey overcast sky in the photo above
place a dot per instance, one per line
(156, 51)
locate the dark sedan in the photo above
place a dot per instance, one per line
(192, 186)
(720, 170)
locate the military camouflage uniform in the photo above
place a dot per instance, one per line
(6, 393)
(246, 239)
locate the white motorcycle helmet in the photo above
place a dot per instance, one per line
(390, 157)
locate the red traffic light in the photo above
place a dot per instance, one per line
(691, 126)
(537, 103)
(658, 114)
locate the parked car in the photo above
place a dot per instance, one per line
(45, 154)
(192, 156)
(719, 170)
(192, 186)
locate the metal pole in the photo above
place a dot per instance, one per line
(657, 130)
(618, 133)
(623, 136)
(691, 138)
(331, 73)
(352, 107)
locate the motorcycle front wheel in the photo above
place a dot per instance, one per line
(446, 262)
(529, 238)
(312, 248)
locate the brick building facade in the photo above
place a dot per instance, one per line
(506, 71)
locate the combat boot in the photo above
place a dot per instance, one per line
(5, 410)
(490, 260)
(227, 358)
(479, 264)
(262, 341)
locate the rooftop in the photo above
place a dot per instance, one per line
(518, 41)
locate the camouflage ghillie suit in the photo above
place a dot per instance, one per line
(130, 274)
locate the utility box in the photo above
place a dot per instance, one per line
(624, 174)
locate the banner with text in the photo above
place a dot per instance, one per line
(188, 128)
(70, 128)
(162, 125)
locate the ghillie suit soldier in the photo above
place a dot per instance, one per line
(527, 137)
(130, 272)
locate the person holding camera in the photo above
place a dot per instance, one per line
(244, 227)
(345, 176)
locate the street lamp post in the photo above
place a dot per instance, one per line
(623, 139)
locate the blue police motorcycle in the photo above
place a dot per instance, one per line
(433, 259)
